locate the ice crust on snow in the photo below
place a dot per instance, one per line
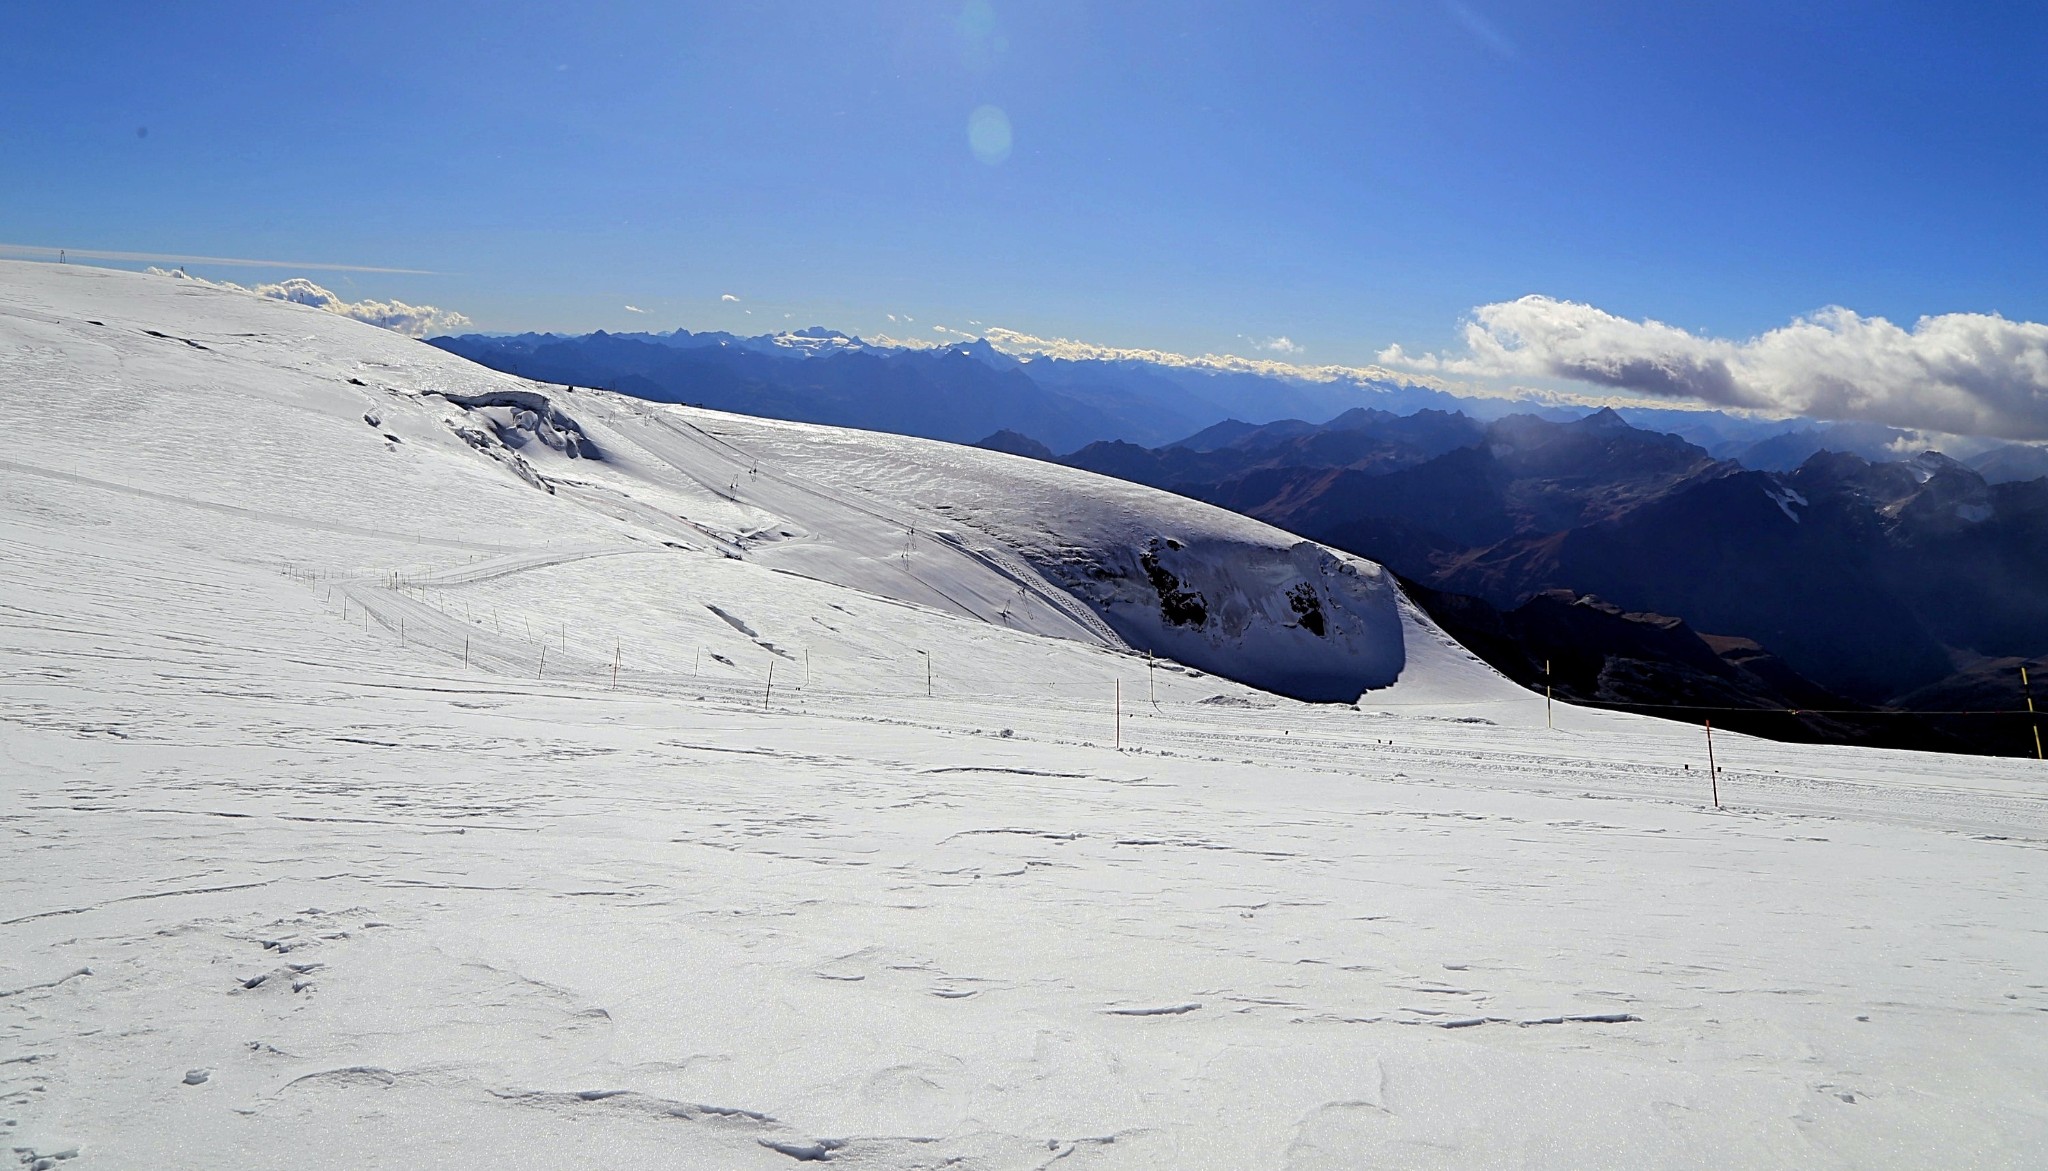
(318, 785)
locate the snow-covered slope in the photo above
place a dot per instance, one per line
(398, 769)
(226, 398)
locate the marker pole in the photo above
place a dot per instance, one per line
(2031, 720)
(1547, 701)
(1713, 771)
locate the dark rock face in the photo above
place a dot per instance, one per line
(1179, 607)
(1308, 607)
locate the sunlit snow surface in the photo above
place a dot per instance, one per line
(285, 883)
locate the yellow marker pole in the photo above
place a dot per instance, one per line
(2025, 687)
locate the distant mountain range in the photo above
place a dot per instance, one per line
(1842, 583)
(959, 393)
(970, 390)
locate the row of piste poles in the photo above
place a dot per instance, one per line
(396, 582)
(399, 583)
(609, 670)
(473, 654)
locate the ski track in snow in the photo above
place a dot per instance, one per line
(285, 882)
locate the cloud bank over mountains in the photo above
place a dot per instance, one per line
(1959, 373)
(1020, 344)
(1956, 374)
(394, 315)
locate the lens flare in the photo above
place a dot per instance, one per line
(988, 134)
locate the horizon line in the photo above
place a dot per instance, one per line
(38, 251)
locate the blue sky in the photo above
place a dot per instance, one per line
(1188, 176)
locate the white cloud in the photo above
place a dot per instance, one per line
(635, 309)
(397, 316)
(1961, 373)
(727, 297)
(1026, 345)
(1012, 342)
(1279, 345)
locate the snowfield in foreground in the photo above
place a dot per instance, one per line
(407, 766)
